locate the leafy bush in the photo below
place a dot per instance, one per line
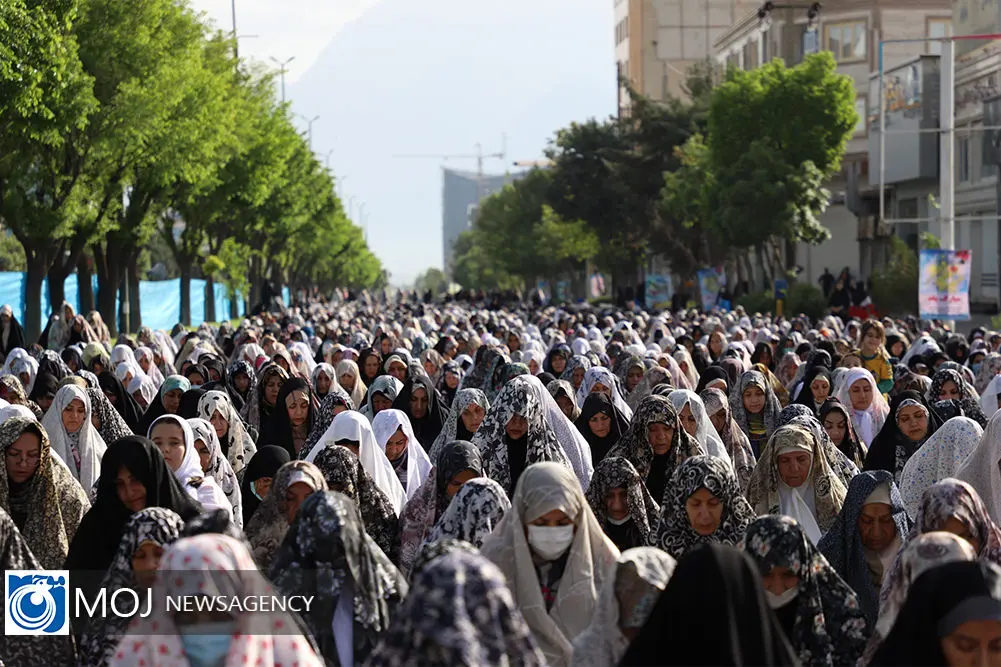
(761, 302)
(895, 287)
(806, 299)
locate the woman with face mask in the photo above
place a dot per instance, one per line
(624, 604)
(293, 484)
(703, 505)
(714, 581)
(553, 555)
(794, 477)
(147, 535)
(219, 563)
(468, 411)
(258, 477)
(818, 611)
(328, 555)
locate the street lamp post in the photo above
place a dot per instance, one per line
(309, 127)
(282, 67)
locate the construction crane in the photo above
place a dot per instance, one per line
(541, 164)
(479, 156)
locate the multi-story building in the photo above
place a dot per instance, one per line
(656, 41)
(461, 193)
(851, 30)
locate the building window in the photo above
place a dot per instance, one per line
(963, 159)
(938, 28)
(847, 41)
(862, 109)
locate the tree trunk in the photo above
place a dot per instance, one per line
(185, 292)
(57, 288)
(135, 298)
(109, 279)
(255, 283)
(86, 287)
(210, 314)
(33, 297)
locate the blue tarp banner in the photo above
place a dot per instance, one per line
(160, 300)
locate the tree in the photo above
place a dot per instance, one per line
(776, 134)
(46, 99)
(433, 280)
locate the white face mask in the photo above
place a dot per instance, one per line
(550, 542)
(777, 601)
(618, 522)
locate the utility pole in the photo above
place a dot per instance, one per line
(282, 67)
(236, 42)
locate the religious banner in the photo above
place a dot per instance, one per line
(709, 287)
(944, 284)
(658, 290)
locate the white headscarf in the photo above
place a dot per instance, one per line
(982, 470)
(197, 484)
(419, 465)
(799, 502)
(87, 442)
(989, 398)
(220, 469)
(351, 425)
(705, 434)
(542, 488)
(940, 457)
(867, 422)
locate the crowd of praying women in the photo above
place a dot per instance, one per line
(538, 486)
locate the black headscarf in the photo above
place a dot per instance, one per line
(805, 396)
(125, 404)
(265, 463)
(594, 403)
(959, 591)
(46, 384)
(15, 338)
(713, 612)
(188, 408)
(849, 445)
(883, 450)
(429, 426)
(96, 540)
(711, 374)
(277, 430)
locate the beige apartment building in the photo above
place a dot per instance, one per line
(656, 41)
(851, 30)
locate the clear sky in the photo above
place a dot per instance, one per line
(396, 77)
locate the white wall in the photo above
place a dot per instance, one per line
(839, 251)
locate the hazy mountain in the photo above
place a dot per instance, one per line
(436, 77)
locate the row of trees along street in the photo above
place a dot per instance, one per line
(130, 126)
(737, 170)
